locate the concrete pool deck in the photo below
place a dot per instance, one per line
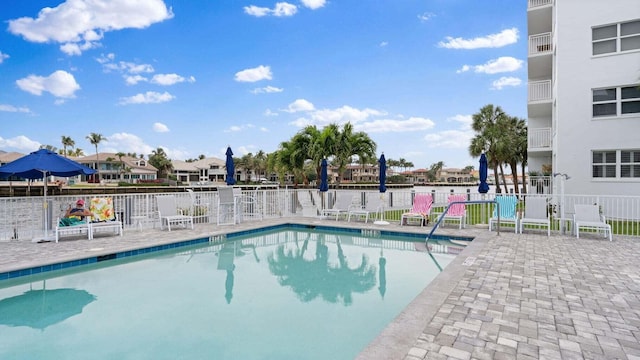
(511, 296)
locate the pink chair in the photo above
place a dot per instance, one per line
(420, 211)
(457, 212)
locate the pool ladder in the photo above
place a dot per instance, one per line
(435, 226)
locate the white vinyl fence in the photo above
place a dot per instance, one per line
(22, 218)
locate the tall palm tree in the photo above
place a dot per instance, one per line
(95, 139)
(160, 161)
(120, 155)
(67, 141)
(488, 136)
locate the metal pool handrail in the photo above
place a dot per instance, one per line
(435, 226)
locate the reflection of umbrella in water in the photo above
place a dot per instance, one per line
(310, 279)
(226, 256)
(40, 165)
(39, 309)
(382, 274)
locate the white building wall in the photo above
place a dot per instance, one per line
(577, 73)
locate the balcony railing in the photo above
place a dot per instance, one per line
(540, 44)
(539, 138)
(539, 90)
(538, 3)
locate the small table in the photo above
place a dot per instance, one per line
(138, 220)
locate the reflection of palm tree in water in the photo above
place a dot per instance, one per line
(310, 279)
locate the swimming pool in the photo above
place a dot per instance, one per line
(283, 294)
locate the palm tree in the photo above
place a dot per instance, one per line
(120, 155)
(160, 161)
(67, 141)
(488, 136)
(95, 139)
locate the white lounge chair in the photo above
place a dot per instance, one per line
(420, 210)
(64, 226)
(457, 212)
(341, 207)
(374, 205)
(305, 199)
(169, 213)
(227, 205)
(508, 214)
(105, 219)
(536, 214)
(589, 217)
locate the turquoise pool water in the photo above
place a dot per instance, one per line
(289, 294)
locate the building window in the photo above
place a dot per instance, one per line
(616, 101)
(616, 38)
(604, 164)
(630, 163)
(616, 164)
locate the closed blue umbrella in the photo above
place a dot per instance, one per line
(483, 188)
(231, 168)
(40, 165)
(383, 173)
(324, 181)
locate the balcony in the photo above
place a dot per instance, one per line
(539, 91)
(540, 44)
(539, 139)
(532, 4)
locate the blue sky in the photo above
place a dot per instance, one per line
(195, 76)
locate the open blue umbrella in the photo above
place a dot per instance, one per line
(231, 169)
(40, 165)
(483, 188)
(383, 173)
(324, 178)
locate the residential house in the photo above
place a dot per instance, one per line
(113, 169)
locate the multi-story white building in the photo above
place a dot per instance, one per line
(584, 93)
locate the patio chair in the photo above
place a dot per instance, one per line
(341, 207)
(536, 214)
(72, 226)
(305, 199)
(249, 205)
(105, 219)
(457, 212)
(589, 217)
(227, 205)
(420, 210)
(169, 213)
(374, 205)
(508, 214)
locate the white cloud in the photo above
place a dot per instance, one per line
(20, 142)
(395, 125)
(150, 97)
(11, 108)
(255, 74)
(160, 127)
(299, 105)
(168, 79)
(269, 112)
(124, 66)
(126, 143)
(505, 81)
(425, 16)
(313, 4)
(449, 139)
(384, 44)
(499, 65)
(280, 9)
(79, 24)
(133, 80)
(464, 120)
(3, 56)
(343, 115)
(237, 128)
(60, 84)
(503, 38)
(267, 89)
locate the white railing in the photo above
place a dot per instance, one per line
(538, 3)
(539, 138)
(540, 44)
(22, 217)
(539, 90)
